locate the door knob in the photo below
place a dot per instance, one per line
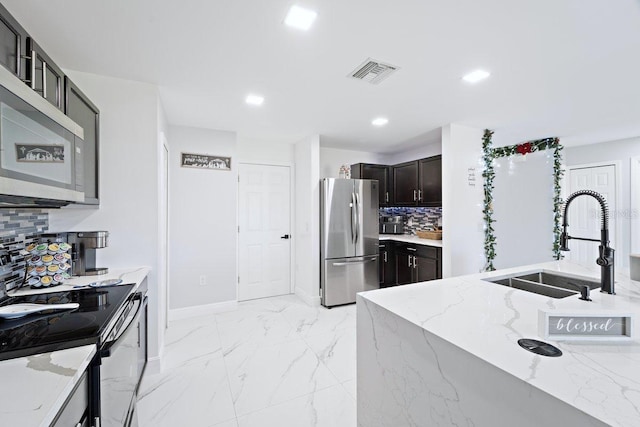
(286, 236)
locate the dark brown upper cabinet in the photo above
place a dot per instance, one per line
(430, 182)
(418, 183)
(44, 76)
(405, 184)
(377, 172)
(82, 111)
(13, 43)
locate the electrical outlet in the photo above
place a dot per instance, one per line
(203, 280)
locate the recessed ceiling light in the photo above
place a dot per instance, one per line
(254, 100)
(476, 76)
(300, 18)
(380, 121)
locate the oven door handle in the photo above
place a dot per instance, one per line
(111, 345)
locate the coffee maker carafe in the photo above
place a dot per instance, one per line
(84, 245)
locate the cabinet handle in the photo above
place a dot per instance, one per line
(419, 194)
(386, 197)
(409, 257)
(33, 69)
(415, 195)
(411, 249)
(415, 264)
(385, 256)
(44, 79)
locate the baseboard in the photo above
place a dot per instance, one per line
(201, 310)
(154, 366)
(313, 301)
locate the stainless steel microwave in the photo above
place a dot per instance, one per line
(41, 149)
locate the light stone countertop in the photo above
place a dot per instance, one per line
(407, 238)
(133, 275)
(601, 379)
(35, 387)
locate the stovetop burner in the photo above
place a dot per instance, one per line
(56, 331)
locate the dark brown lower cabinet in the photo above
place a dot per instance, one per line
(387, 264)
(417, 263)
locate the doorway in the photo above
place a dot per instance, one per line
(585, 213)
(634, 213)
(264, 233)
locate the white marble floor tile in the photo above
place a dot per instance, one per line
(274, 361)
(318, 320)
(187, 341)
(247, 309)
(228, 423)
(284, 301)
(337, 350)
(261, 376)
(331, 407)
(267, 328)
(195, 394)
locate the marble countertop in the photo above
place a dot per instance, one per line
(486, 320)
(128, 275)
(408, 238)
(36, 387)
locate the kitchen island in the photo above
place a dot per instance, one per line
(445, 352)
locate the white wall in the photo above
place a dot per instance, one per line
(523, 209)
(203, 220)
(462, 223)
(307, 213)
(427, 149)
(128, 182)
(332, 158)
(251, 150)
(625, 215)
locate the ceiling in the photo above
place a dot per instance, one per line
(565, 68)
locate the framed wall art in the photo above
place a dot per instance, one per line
(205, 161)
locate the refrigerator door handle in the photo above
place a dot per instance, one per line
(357, 217)
(358, 261)
(353, 220)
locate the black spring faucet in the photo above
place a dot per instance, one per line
(605, 259)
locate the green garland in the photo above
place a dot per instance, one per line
(487, 212)
(488, 157)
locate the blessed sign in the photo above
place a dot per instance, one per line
(585, 326)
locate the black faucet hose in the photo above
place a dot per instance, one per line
(598, 197)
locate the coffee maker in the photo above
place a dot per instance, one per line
(83, 249)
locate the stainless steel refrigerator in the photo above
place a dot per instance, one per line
(349, 239)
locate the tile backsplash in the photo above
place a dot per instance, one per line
(16, 228)
(416, 218)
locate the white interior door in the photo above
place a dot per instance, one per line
(265, 255)
(584, 212)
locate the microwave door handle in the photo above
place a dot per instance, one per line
(33, 69)
(44, 79)
(110, 346)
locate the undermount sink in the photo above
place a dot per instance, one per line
(545, 283)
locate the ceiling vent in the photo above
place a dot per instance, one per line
(373, 71)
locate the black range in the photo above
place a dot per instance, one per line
(59, 330)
